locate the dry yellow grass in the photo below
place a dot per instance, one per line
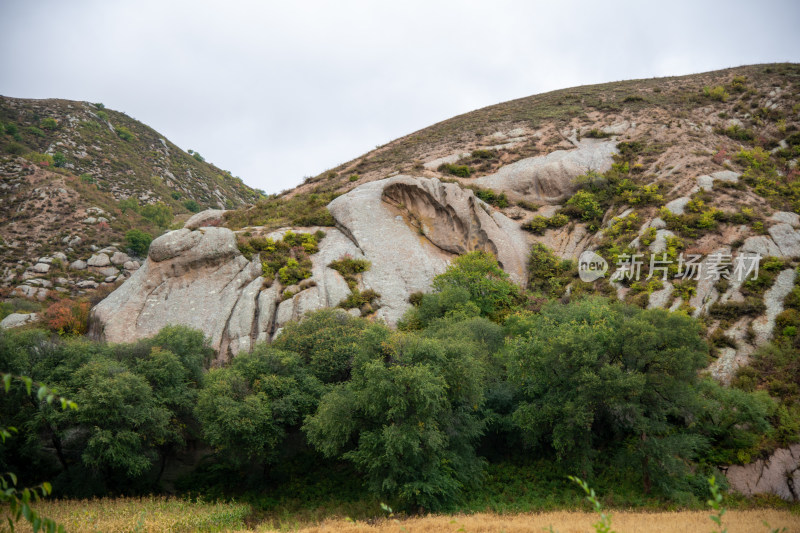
(749, 521)
(151, 515)
(162, 515)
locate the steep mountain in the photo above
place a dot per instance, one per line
(75, 177)
(680, 182)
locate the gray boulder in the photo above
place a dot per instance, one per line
(793, 219)
(41, 268)
(15, 320)
(99, 260)
(209, 217)
(119, 258)
(678, 205)
(78, 265)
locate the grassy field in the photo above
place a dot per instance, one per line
(158, 514)
(150, 514)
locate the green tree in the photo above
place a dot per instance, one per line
(408, 419)
(19, 499)
(247, 409)
(488, 286)
(327, 341)
(121, 419)
(604, 375)
(138, 242)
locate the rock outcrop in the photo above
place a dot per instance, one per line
(550, 178)
(779, 475)
(407, 228)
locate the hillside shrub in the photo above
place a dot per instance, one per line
(138, 242)
(490, 196)
(49, 123)
(68, 317)
(246, 410)
(548, 274)
(192, 206)
(124, 133)
(462, 171)
(717, 93)
(327, 341)
(158, 213)
(15, 148)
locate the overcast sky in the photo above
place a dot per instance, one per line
(276, 91)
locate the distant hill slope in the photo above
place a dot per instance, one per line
(75, 177)
(678, 115)
(121, 155)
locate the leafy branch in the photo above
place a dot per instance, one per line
(19, 499)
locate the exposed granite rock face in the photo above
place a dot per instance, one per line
(550, 178)
(773, 298)
(786, 238)
(408, 228)
(195, 278)
(779, 475)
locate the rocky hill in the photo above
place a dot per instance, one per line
(75, 177)
(682, 185)
(677, 193)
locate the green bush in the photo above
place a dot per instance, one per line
(484, 154)
(462, 171)
(491, 197)
(717, 93)
(124, 133)
(15, 148)
(192, 206)
(357, 299)
(326, 340)
(246, 410)
(59, 159)
(158, 213)
(349, 267)
(138, 242)
(49, 123)
(489, 287)
(584, 205)
(739, 133)
(595, 133)
(39, 159)
(33, 130)
(547, 273)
